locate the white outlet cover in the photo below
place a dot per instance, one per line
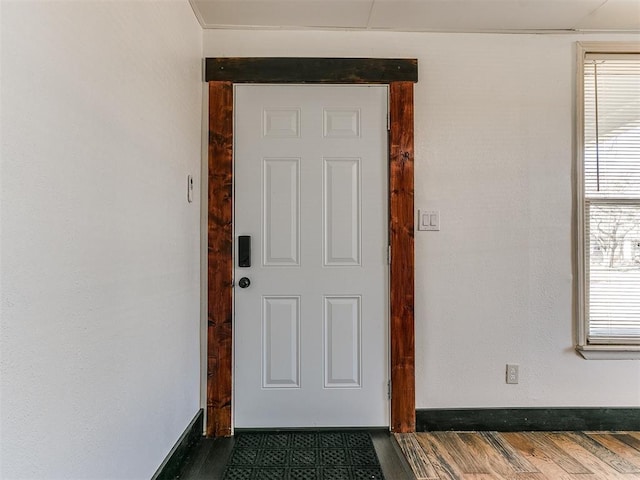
(513, 373)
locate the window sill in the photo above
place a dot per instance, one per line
(609, 352)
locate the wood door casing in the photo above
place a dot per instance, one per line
(220, 245)
(220, 260)
(401, 229)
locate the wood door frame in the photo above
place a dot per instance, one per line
(221, 74)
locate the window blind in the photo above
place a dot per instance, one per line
(612, 197)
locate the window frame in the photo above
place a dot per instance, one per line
(584, 348)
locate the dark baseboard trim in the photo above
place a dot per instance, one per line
(171, 466)
(527, 419)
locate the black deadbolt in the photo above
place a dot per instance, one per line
(244, 282)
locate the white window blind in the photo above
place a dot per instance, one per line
(611, 190)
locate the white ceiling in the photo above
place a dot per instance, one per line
(423, 15)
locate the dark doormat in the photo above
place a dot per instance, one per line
(303, 456)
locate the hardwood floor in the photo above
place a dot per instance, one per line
(523, 455)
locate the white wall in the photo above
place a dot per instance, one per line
(494, 132)
(99, 335)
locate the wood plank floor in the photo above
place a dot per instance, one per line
(522, 455)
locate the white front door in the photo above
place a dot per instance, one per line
(311, 329)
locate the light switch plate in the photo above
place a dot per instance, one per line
(429, 220)
(189, 188)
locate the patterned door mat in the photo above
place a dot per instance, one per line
(303, 456)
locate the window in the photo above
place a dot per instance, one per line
(608, 166)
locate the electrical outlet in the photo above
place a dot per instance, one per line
(513, 374)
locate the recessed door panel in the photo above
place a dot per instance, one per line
(342, 360)
(342, 122)
(281, 342)
(341, 211)
(281, 122)
(281, 211)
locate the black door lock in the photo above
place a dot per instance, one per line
(244, 251)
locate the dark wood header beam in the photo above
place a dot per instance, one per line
(311, 70)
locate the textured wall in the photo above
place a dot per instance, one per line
(494, 133)
(101, 113)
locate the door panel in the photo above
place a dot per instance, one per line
(311, 329)
(342, 354)
(281, 214)
(281, 342)
(342, 211)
